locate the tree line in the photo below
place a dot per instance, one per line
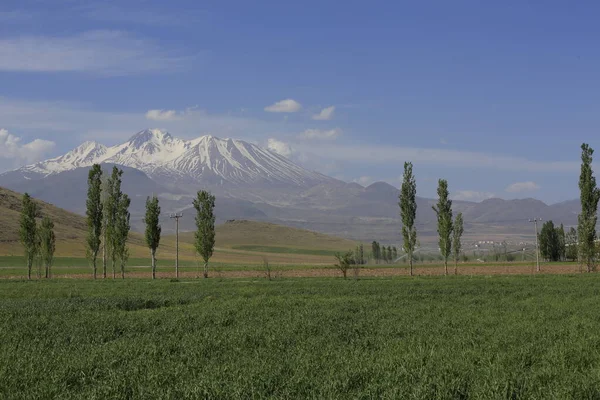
(449, 230)
(108, 221)
(108, 227)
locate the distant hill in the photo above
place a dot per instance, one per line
(239, 235)
(242, 232)
(70, 228)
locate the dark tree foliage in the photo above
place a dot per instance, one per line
(153, 229)
(589, 195)
(408, 212)
(28, 231)
(94, 214)
(205, 226)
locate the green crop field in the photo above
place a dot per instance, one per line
(519, 337)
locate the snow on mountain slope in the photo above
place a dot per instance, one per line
(206, 159)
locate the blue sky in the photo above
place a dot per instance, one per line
(496, 97)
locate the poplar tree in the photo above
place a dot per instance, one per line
(122, 229)
(589, 195)
(106, 212)
(113, 199)
(153, 229)
(28, 231)
(94, 214)
(408, 212)
(205, 226)
(444, 217)
(394, 252)
(389, 254)
(457, 233)
(47, 244)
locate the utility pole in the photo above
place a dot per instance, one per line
(537, 250)
(176, 217)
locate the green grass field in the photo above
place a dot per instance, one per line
(425, 338)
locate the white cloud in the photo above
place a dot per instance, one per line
(519, 187)
(471, 195)
(74, 123)
(280, 147)
(326, 114)
(103, 52)
(320, 134)
(161, 115)
(14, 153)
(287, 106)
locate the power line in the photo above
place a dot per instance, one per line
(537, 246)
(176, 217)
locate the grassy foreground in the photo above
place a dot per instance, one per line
(425, 338)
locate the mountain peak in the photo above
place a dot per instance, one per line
(150, 135)
(207, 160)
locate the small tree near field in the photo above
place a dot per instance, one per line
(28, 231)
(408, 212)
(47, 244)
(343, 262)
(205, 226)
(444, 217)
(457, 233)
(153, 229)
(571, 245)
(94, 214)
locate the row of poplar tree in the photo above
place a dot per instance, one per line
(449, 231)
(385, 254)
(108, 220)
(38, 240)
(555, 244)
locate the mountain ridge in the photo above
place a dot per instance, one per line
(206, 159)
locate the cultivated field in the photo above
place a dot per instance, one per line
(423, 338)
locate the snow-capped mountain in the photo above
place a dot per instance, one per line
(207, 160)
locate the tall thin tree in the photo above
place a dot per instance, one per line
(47, 244)
(457, 233)
(94, 214)
(444, 217)
(123, 227)
(589, 195)
(111, 210)
(408, 212)
(153, 229)
(28, 231)
(106, 212)
(205, 226)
